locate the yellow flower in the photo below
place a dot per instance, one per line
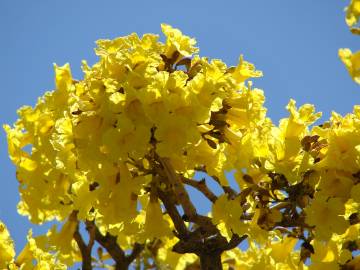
(63, 78)
(230, 218)
(62, 240)
(174, 134)
(176, 41)
(7, 251)
(351, 62)
(327, 216)
(281, 250)
(245, 70)
(353, 13)
(342, 150)
(34, 256)
(335, 183)
(155, 225)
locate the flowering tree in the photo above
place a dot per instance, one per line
(114, 152)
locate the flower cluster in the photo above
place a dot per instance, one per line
(115, 151)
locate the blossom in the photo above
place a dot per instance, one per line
(351, 62)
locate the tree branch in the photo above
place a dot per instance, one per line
(84, 249)
(137, 249)
(234, 241)
(180, 192)
(110, 244)
(173, 213)
(200, 186)
(91, 231)
(183, 197)
(228, 190)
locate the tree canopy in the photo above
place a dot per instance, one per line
(110, 158)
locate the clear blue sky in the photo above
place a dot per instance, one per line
(294, 43)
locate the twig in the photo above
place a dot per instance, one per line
(200, 186)
(228, 190)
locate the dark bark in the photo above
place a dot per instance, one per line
(84, 249)
(210, 261)
(121, 265)
(109, 242)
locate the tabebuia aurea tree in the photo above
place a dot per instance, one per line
(111, 157)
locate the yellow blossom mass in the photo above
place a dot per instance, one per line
(115, 152)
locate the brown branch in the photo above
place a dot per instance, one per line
(234, 241)
(180, 193)
(189, 246)
(91, 231)
(110, 244)
(214, 244)
(173, 213)
(137, 249)
(182, 196)
(206, 241)
(179, 190)
(200, 186)
(84, 249)
(206, 224)
(227, 189)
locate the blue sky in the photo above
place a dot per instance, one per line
(294, 43)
